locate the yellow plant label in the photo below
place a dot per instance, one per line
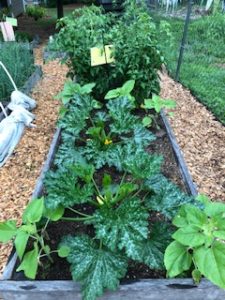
(12, 21)
(101, 57)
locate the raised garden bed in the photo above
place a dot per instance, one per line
(108, 201)
(14, 285)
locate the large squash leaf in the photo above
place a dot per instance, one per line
(167, 197)
(142, 165)
(122, 120)
(64, 187)
(123, 227)
(152, 251)
(96, 267)
(94, 153)
(141, 136)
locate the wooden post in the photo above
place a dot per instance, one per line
(59, 9)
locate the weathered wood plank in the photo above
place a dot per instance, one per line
(149, 289)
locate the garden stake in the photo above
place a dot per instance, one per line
(106, 63)
(3, 109)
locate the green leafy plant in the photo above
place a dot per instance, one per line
(4, 12)
(198, 242)
(83, 30)
(29, 231)
(71, 88)
(105, 132)
(124, 91)
(155, 104)
(35, 11)
(19, 61)
(136, 58)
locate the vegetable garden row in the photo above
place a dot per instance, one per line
(107, 206)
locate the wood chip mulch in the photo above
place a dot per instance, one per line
(19, 174)
(201, 138)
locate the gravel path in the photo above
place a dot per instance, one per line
(201, 138)
(20, 173)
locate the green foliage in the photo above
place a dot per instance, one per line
(30, 263)
(202, 69)
(69, 186)
(151, 252)
(4, 12)
(71, 88)
(136, 58)
(124, 91)
(96, 267)
(33, 213)
(20, 63)
(81, 31)
(123, 227)
(157, 103)
(111, 129)
(142, 165)
(177, 259)
(167, 197)
(120, 112)
(35, 11)
(23, 37)
(199, 239)
(7, 230)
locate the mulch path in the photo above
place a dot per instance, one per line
(19, 174)
(201, 138)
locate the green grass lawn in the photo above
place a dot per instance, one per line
(203, 67)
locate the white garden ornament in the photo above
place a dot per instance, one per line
(12, 127)
(11, 130)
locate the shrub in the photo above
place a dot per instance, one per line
(35, 11)
(135, 48)
(4, 12)
(20, 63)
